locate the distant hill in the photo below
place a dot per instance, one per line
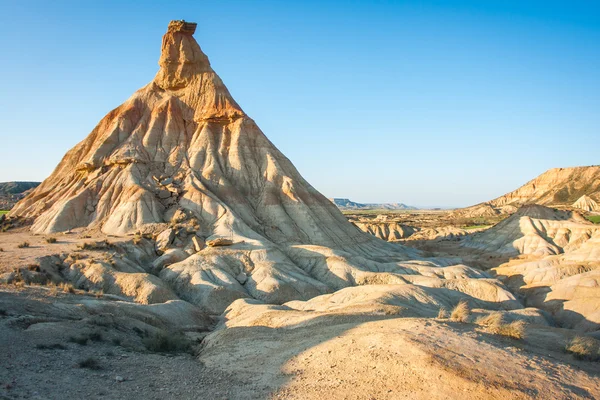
(16, 187)
(555, 187)
(347, 204)
(11, 192)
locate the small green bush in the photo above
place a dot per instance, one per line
(594, 219)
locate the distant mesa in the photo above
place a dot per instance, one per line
(12, 192)
(347, 204)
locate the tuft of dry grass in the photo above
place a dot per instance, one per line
(50, 240)
(495, 324)
(53, 291)
(85, 246)
(461, 312)
(443, 313)
(492, 319)
(23, 245)
(76, 256)
(515, 329)
(67, 287)
(103, 244)
(584, 348)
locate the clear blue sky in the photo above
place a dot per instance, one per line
(425, 102)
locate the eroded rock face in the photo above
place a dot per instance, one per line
(389, 231)
(183, 143)
(535, 230)
(586, 203)
(555, 187)
(561, 270)
(182, 158)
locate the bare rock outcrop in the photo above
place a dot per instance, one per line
(181, 160)
(555, 187)
(559, 265)
(586, 203)
(535, 230)
(389, 231)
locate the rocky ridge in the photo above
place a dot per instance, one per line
(555, 187)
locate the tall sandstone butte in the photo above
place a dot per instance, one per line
(182, 146)
(183, 142)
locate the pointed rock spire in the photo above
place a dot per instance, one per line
(181, 58)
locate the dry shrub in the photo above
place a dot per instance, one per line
(495, 324)
(461, 312)
(167, 343)
(67, 287)
(23, 245)
(34, 267)
(515, 329)
(80, 340)
(53, 291)
(50, 240)
(101, 245)
(443, 313)
(95, 337)
(53, 346)
(75, 256)
(85, 246)
(584, 348)
(491, 320)
(89, 363)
